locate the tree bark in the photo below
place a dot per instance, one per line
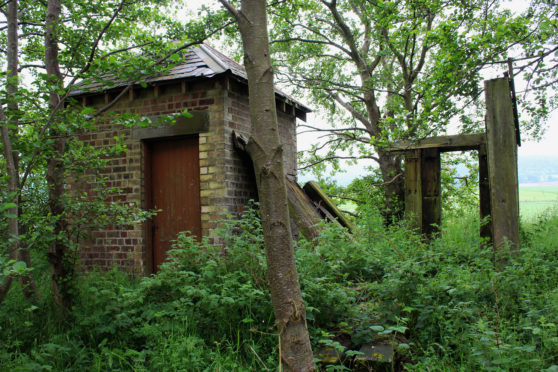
(58, 256)
(13, 229)
(9, 154)
(394, 186)
(266, 152)
(16, 252)
(390, 164)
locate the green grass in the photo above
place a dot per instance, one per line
(535, 200)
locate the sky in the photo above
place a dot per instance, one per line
(548, 145)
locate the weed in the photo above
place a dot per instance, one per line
(442, 304)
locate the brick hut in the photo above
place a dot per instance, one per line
(191, 169)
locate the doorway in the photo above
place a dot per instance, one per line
(172, 180)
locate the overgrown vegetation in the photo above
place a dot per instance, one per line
(442, 304)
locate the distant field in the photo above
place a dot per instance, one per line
(534, 200)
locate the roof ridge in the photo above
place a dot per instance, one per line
(208, 56)
(222, 55)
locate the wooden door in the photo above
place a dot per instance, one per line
(173, 185)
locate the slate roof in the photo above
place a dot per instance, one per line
(201, 61)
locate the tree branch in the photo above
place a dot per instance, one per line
(125, 49)
(230, 8)
(347, 36)
(424, 50)
(97, 41)
(22, 67)
(316, 129)
(357, 115)
(337, 157)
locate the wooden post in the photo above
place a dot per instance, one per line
(413, 187)
(484, 195)
(502, 164)
(431, 191)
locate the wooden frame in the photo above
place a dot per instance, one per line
(498, 182)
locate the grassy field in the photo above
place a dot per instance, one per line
(534, 200)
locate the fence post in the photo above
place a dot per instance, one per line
(431, 191)
(502, 164)
(484, 195)
(413, 187)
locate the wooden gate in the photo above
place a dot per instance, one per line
(172, 183)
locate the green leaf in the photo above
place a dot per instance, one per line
(20, 267)
(5, 206)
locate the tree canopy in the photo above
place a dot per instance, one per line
(384, 71)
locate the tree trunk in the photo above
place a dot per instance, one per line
(390, 164)
(16, 252)
(58, 256)
(267, 155)
(13, 231)
(394, 185)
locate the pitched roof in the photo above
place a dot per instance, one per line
(201, 61)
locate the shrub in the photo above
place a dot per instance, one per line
(442, 303)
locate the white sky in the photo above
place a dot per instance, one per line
(548, 145)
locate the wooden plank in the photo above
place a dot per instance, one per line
(413, 187)
(431, 191)
(148, 252)
(302, 211)
(514, 102)
(460, 142)
(319, 197)
(484, 195)
(502, 164)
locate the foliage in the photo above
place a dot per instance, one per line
(538, 95)
(459, 182)
(84, 44)
(207, 306)
(443, 304)
(361, 193)
(385, 71)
